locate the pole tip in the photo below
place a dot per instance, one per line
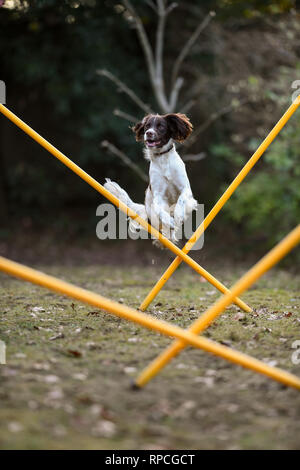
(135, 387)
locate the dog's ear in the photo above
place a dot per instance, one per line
(139, 130)
(179, 125)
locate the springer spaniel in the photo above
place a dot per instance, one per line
(169, 200)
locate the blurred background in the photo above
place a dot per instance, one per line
(82, 72)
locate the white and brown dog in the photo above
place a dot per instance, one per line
(169, 200)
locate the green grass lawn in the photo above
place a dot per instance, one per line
(66, 383)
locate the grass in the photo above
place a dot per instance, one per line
(66, 384)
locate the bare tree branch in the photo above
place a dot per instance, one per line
(151, 5)
(128, 117)
(143, 39)
(125, 159)
(191, 157)
(171, 7)
(233, 106)
(187, 106)
(189, 44)
(163, 11)
(155, 65)
(159, 47)
(123, 87)
(174, 93)
(190, 8)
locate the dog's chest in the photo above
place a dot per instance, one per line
(163, 167)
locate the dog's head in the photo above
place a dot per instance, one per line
(156, 131)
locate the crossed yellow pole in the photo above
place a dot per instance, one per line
(221, 202)
(184, 337)
(92, 182)
(275, 255)
(96, 300)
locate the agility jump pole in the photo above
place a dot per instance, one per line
(120, 310)
(269, 260)
(92, 182)
(221, 202)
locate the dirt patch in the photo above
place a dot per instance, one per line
(69, 367)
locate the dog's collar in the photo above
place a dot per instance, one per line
(165, 151)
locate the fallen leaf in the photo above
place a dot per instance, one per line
(239, 316)
(74, 353)
(210, 292)
(208, 381)
(133, 340)
(38, 309)
(79, 376)
(59, 336)
(129, 370)
(226, 343)
(51, 379)
(104, 428)
(13, 426)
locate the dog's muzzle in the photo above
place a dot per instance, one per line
(151, 139)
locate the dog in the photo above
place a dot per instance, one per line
(169, 200)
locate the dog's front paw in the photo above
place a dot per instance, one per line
(174, 238)
(183, 210)
(179, 213)
(170, 235)
(167, 220)
(179, 220)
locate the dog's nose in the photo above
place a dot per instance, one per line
(150, 134)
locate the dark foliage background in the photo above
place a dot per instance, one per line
(50, 51)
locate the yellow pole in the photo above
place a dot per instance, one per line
(276, 254)
(96, 300)
(221, 202)
(92, 182)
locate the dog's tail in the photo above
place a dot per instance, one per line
(117, 191)
(121, 194)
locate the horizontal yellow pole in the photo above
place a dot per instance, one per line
(96, 300)
(275, 255)
(101, 189)
(221, 202)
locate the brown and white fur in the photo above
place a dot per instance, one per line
(169, 200)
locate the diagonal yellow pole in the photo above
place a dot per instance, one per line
(92, 182)
(273, 257)
(221, 202)
(96, 300)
